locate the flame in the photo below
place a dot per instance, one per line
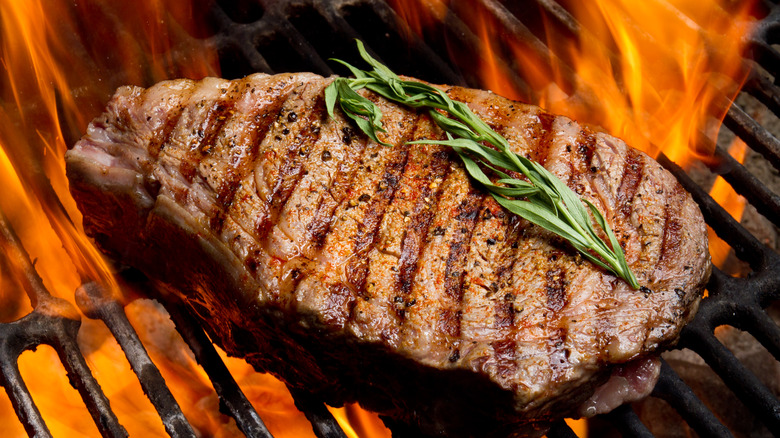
(645, 72)
(420, 14)
(60, 62)
(724, 194)
(357, 422)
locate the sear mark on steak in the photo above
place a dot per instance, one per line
(376, 274)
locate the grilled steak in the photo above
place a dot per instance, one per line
(360, 272)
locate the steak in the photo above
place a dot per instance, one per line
(382, 275)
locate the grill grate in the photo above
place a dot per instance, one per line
(56, 322)
(298, 35)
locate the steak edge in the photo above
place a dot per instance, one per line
(360, 272)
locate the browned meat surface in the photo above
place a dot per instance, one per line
(366, 273)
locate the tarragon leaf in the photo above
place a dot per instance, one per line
(543, 199)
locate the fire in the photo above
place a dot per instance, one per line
(646, 72)
(61, 61)
(730, 201)
(420, 14)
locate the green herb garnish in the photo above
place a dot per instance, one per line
(543, 200)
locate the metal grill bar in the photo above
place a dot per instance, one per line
(764, 329)
(744, 383)
(680, 396)
(230, 395)
(748, 185)
(12, 381)
(95, 303)
(745, 245)
(323, 423)
(54, 322)
(760, 87)
(58, 326)
(753, 134)
(628, 423)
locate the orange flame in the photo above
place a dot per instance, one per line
(420, 14)
(733, 203)
(647, 72)
(61, 61)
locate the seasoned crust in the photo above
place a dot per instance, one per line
(300, 237)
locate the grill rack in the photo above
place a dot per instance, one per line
(269, 36)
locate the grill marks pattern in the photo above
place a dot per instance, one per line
(389, 241)
(426, 164)
(241, 124)
(215, 145)
(349, 242)
(317, 218)
(169, 123)
(373, 215)
(337, 190)
(208, 118)
(672, 234)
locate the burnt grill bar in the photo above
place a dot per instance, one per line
(56, 322)
(748, 185)
(745, 384)
(230, 395)
(628, 423)
(322, 422)
(53, 322)
(278, 36)
(95, 302)
(680, 396)
(753, 134)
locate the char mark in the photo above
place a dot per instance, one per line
(505, 314)
(632, 176)
(242, 161)
(291, 170)
(366, 234)
(340, 305)
(377, 207)
(356, 272)
(673, 227)
(559, 355)
(555, 288)
(505, 357)
(466, 218)
(586, 145)
(207, 133)
(339, 188)
(449, 323)
(543, 133)
(416, 234)
(155, 147)
(455, 265)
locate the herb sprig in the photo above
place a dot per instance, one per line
(543, 199)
